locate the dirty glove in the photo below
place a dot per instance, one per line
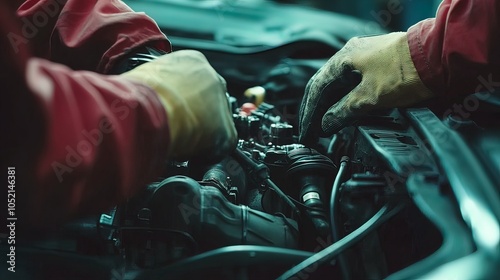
(375, 72)
(194, 97)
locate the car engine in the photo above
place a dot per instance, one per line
(373, 201)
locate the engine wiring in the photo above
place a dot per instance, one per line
(383, 215)
(333, 196)
(286, 221)
(333, 206)
(262, 175)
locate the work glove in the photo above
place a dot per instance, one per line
(369, 73)
(194, 97)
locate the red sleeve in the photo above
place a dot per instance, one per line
(104, 137)
(87, 35)
(80, 141)
(458, 52)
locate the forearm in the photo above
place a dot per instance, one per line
(104, 138)
(459, 49)
(86, 35)
(81, 142)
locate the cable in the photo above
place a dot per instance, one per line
(300, 204)
(332, 144)
(285, 220)
(333, 198)
(260, 174)
(282, 195)
(383, 215)
(196, 267)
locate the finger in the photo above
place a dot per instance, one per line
(327, 78)
(322, 99)
(353, 106)
(222, 82)
(224, 143)
(336, 118)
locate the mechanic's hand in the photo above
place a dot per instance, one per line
(375, 72)
(194, 96)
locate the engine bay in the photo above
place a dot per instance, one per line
(370, 202)
(275, 193)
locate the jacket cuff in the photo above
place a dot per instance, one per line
(426, 61)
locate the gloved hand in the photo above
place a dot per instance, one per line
(194, 96)
(375, 72)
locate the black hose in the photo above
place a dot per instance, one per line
(333, 196)
(331, 146)
(327, 254)
(223, 258)
(333, 206)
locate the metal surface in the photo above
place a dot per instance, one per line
(476, 193)
(441, 210)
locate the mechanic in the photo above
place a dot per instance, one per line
(80, 140)
(449, 56)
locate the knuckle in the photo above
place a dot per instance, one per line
(195, 56)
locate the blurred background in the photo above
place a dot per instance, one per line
(276, 44)
(394, 15)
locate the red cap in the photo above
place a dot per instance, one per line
(247, 109)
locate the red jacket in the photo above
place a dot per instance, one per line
(80, 141)
(458, 52)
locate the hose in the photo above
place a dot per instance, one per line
(327, 254)
(331, 146)
(333, 198)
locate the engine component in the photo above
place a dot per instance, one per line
(247, 126)
(228, 177)
(260, 174)
(180, 203)
(256, 94)
(309, 172)
(281, 134)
